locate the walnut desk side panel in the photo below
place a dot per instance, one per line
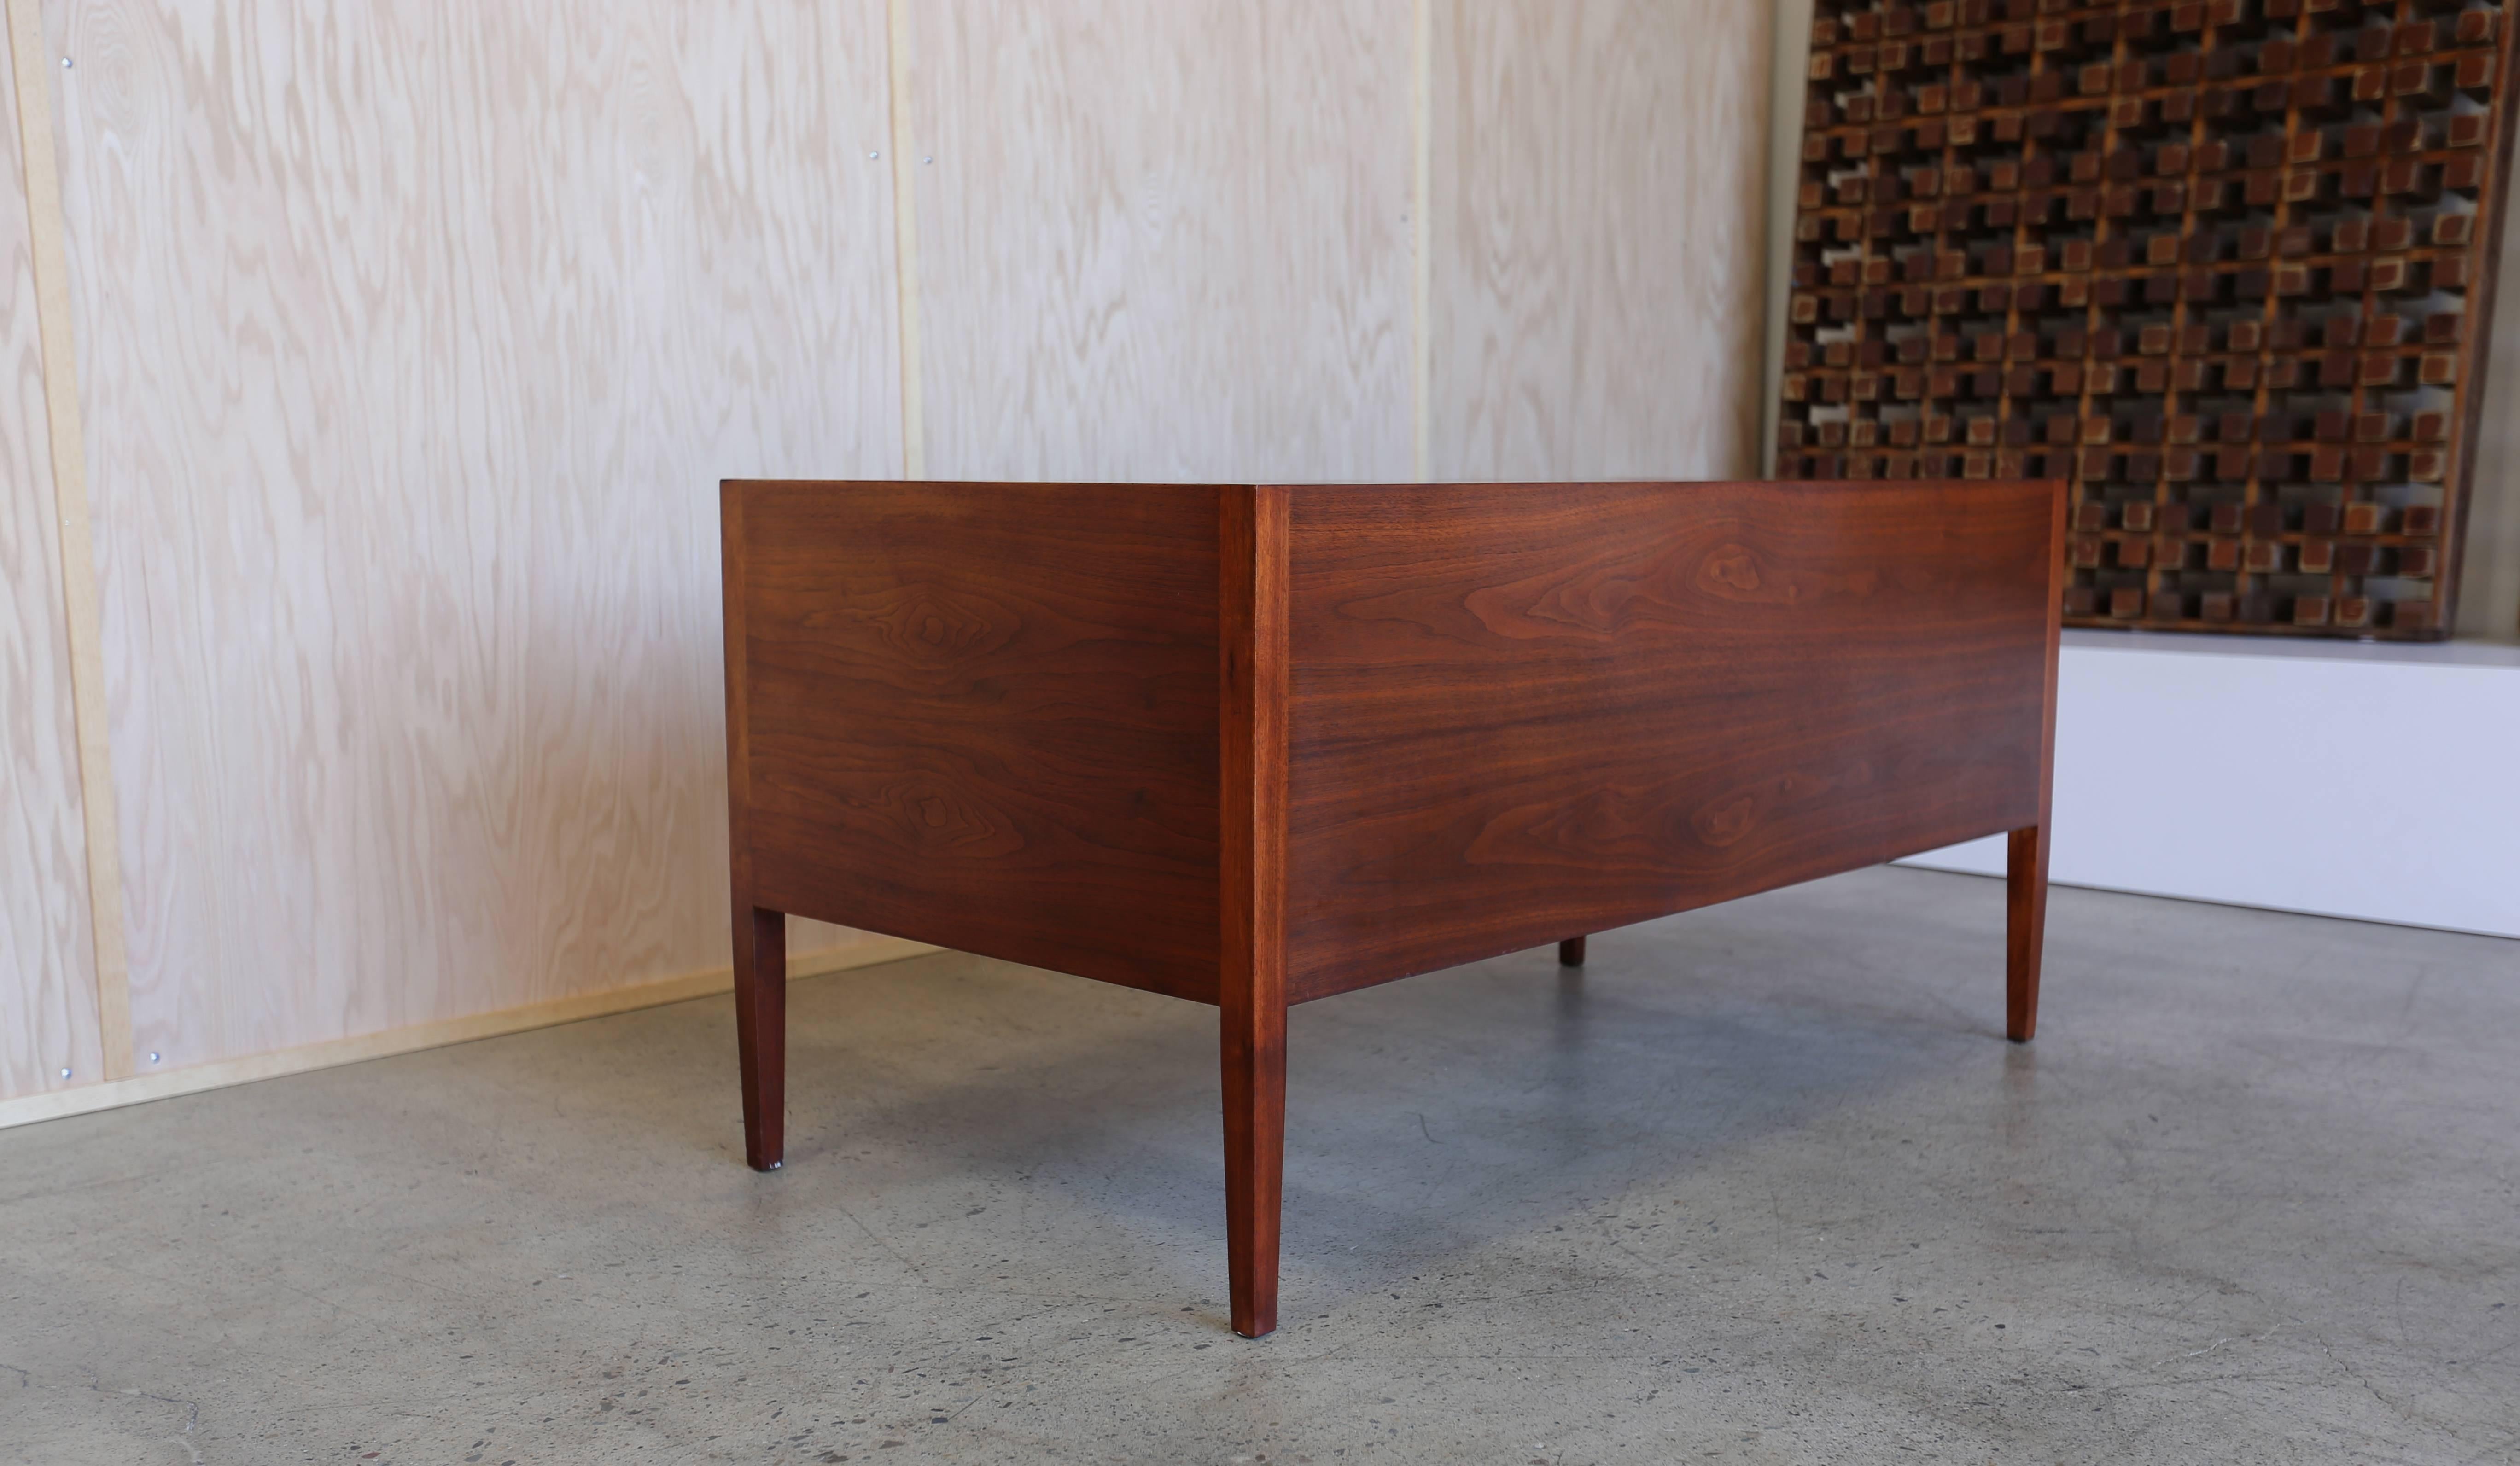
(1519, 713)
(983, 716)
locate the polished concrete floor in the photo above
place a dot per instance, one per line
(1762, 1183)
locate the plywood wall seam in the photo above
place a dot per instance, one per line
(905, 233)
(48, 238)
(1789, 40)
(1421, 227)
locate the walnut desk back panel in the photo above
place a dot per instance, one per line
(1257, 746)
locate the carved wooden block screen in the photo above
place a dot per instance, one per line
(2224, 265)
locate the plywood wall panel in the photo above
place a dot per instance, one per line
(414, 340)
(48, 995)
(1598, 178)
(1163, 239)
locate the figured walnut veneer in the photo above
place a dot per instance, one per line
(1258, 745)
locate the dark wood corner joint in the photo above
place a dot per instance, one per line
(1256, 745)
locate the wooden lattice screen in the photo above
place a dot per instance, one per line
(2224, 264)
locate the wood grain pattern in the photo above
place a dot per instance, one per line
(1252, 960)
(986, 716)
(415, 340)
(1165, 239)
(906, 164)
(1670, 694)
(1254, 745)
(48, 995)
(1598, 180)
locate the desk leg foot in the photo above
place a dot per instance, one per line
(1570, 952)
(1254, 1047)
(2025, 888)
(761, 1032)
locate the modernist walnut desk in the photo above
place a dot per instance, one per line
(1254, 745)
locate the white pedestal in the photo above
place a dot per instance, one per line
(2380, 782)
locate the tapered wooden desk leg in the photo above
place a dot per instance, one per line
(1254, 1047)
(761, 1032)
(2025, 929)
(1570, 952)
